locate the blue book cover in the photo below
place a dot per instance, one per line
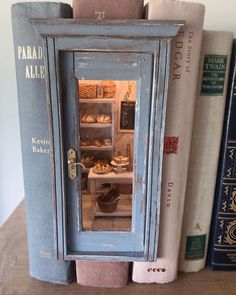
(222, 246)
(35, 143)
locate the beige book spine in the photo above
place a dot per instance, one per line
(185, 56)
(206, 139)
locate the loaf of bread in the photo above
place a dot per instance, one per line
(107, 141)
(85, 142)
(109, 88)
(104, 119)
(98, 142)
(87, 118)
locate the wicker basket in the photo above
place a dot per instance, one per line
(108, 202)
(87, 90)
(107, 206)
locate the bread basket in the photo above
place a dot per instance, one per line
(109, 88)
(107, 203)
(87, 90)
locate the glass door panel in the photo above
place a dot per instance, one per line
(107, 127)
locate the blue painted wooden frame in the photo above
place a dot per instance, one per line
(136, 37)
(104, 66)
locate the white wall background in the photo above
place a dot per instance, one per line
(220, 15)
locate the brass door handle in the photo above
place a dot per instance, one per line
(72, 163)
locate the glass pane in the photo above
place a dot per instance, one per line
(107, 124)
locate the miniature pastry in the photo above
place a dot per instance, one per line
(121, 159)
(88, 161)
(107, 119)
(98, 142)
(85, 142)
(88, 119)
(102, 167)
(103, 119)
(107, 141)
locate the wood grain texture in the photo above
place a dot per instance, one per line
(15, 278)
(119, 28)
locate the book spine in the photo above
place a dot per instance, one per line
(102, 273)
(185, 57)
(120, 9)
(35, 143)
(222, 244)
(105, 273)
(205, 148)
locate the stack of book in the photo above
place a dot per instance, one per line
(198, 193)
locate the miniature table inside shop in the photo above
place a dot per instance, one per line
(15, 278)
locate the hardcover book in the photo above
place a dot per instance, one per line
(206, 139)
(222, 245)
(105, 273)
(102, 273)
(35, 144)
(120, 9)
(185, 57)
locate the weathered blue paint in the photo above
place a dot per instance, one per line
(157, 124)
(136, 50)
(143, 29)
(101, 66)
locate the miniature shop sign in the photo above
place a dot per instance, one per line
(127, 115)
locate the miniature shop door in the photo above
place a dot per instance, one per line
(106, 105)
(107, 88)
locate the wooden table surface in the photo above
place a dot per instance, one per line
(15, 279)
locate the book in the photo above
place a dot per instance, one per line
(184, 62)
(35, 143)
(120, 9)
(105, 273)
(102, 273)
(205, 148)
(222, 244)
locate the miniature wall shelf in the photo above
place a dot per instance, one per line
(107, 87)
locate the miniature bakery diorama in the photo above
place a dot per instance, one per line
(107, 117)
(107, 87)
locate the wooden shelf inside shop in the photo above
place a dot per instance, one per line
(95, 148)
(121, 211)
(95, 125)
(97, 100)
